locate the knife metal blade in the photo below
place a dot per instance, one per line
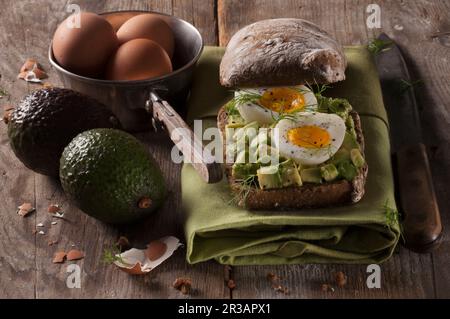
(421, 224)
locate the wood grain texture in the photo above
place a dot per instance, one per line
(411, 24)
(405, 275)
(26, 270)
(17, 183)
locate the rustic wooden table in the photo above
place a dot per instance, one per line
(26, 268)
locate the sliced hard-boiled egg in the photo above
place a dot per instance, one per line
(310, 138)
(264, 105)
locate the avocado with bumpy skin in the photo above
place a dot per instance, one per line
(46, 120)
(111, 176)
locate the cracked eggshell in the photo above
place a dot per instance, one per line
(136, 262)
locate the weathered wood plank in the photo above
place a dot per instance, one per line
(406, 275)
(26, 28)
(30, 272)
(106, 281)
(199, 13)
(17, 249)
(411, 24)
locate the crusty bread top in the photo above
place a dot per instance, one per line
(279, 52)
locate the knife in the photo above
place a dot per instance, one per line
(421, 221)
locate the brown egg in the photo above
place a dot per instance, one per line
(117, 19)
(138, 59)
(148, 26)
(84, 50)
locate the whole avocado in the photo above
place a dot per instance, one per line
(46, 120)
(111, 176)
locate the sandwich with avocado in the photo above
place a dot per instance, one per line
(286, 145)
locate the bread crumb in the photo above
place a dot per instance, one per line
(341, 279)
(327, 288)
(25, 209)
(275, 281)
(231, 284)
(183, 284)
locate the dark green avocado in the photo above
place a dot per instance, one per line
(46, 120)
(111, 176)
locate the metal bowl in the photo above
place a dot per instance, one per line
(127, 99)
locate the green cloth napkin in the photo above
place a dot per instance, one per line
(362, 233)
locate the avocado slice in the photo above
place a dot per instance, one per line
(341, 155)
(268, 155)
(248, 131)
(349, 142)
(347, 170)
(235, 121)
(46, 120)
(289, 174)
(269, 177)
(311, 175)
(329, 172)
(340, 107)
(357, 158)
(350, 125)
(111, 176)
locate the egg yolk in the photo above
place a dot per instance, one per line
(309, 137)
(284, 100)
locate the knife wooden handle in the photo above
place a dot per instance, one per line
(186, 141)
(422, 226)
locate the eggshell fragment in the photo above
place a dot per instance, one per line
(53, 208)
(137, 262)
(25, 209)
(31, 71)
(138, 59)
(155, 250)
(148, 26)
(75, 254)
(29, 65)
(59, 257)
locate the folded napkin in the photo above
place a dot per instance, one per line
(366, 232)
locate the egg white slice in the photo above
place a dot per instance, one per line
(330, 126)
(251, 111)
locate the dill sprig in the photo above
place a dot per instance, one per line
(376, 46)
(318, 90)
(246, 97)
(254, 98)
(392, 218)
(246, 186)
(112, 254)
